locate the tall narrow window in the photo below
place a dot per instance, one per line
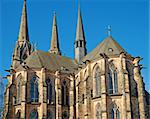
(81, 43)
(64, 93)
(34, 93)
(82, 98)
(18, 116)
(19, 93)
(112, 114)
(110, 82)
(49, 90)
(117, 114)
(34, 114)
(97, 82)
(113, 81)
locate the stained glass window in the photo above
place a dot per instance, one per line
(34, 92)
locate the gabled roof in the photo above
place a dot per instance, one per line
(108, 46)
(53, 62)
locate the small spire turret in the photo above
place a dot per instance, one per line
(80, 43)
(23, 47)
(54, 46)
(23, 32)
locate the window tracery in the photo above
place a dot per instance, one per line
(49, 90)
(34, 92)
(115, 113)
(112, 80)
(97, 82)
(64, 93)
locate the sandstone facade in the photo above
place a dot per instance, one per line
(103, 84)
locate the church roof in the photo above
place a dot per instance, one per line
(50, 61)
(108, 46)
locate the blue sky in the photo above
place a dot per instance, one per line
(128, 18)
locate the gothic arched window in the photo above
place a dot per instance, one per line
(97, 79)
(113, 81)
(115, 114)
(110, 85)
(34, 114)
(19, 92)
(98, 112)
(49, 90)
(49, 115)
(112, 114)
(34, 92)
(18, 116)
(64, 93)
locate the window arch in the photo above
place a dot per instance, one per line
(98, 112)
(49, 90)
(34, 92)
(112, 114)
(34, 114)
(64, 92)
(113, 80)
(115, 113)
(97, 82)
(110, 81)
(18, 116)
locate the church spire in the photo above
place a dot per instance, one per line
(54, 48)
(23, 32)
(23, 47)
(80, 43)
(79, 30)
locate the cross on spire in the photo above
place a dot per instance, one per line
(109, 30)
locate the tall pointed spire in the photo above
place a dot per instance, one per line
(54, 39)
(23, 47)
(80, 43)
(23, 32)
(79, 30)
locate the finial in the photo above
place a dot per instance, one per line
(54, 12)
(109, 30)
(78, 4)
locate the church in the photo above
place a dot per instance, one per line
(105, 83)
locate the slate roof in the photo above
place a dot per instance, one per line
(50, 61)
(108, 46)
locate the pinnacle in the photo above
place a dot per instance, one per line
(54, 39)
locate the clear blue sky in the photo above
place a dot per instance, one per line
(128, 18)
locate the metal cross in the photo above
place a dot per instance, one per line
(109, 30)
